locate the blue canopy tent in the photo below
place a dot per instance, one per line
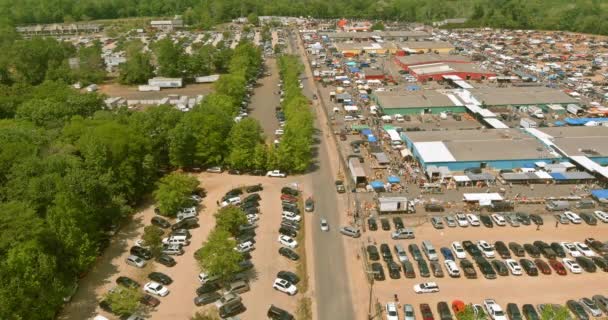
(354, 69)
(559, 123)
(600, 194)
(371, 138)
(351, 63)
(366, 132)
(376, 184)
(393, 179)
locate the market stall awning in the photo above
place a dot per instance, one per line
(393, 179)
(371, 138)
(377, 184)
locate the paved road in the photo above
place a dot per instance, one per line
(264, 100)
(333, 295)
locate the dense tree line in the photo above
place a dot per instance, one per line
(575, 15)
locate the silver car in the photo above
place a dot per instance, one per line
(450, 221)
(350, 231)
(324, 225)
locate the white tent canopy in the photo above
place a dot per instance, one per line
(482, 197)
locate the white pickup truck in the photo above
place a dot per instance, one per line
(276, 174)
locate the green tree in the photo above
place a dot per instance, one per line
(229, 219)
(172, 192)
(91, 67)
(170, 58)
(217, 256)
(205, 315)
(469, 314)
(552, 312)
(136, 70)
(253, 19)
(123, 300)
(378, 25)
(153, 237)
(244, 137)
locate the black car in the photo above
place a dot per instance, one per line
(160, 278)
(233, 193)
(588, 218)
(530, 312)
(529, 267)
(523, 218)
(127, 282)
(289, 276)
(394, 271)
(245, 265)
(208, 287)
(378, 271)
(181, 232)
(231, 309)
(436, 269)
(408, 269)
(502, 250)
(291, 207)
(532, 250)
(545, 249)
(444, 311)
(386, 252)
(537, 219)
(234, 172)
(500, 267)
(188, 223)
(601, 263)
(254, 188)
(372, 252)
(385, 224)
(250, 204)
(105, 306)
(415, 251)
(398, 222)
(254, 197)
(471, 248)
(517, 249)
(288, 231)
(372, 225)
(513, 312)
(586, 263)
(424, 268)
(486, 220)
(468, 269)
(558, 249)
(485, 267)
(577, 309)
(166, 260)
(289, 254)
(207, 298)
(141, 252)
(290, 224)
(160, 222)
(276, 313)
(290, 191)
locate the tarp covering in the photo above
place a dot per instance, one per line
(371, 138)
(381, 158)
(366, 132)
(377, 184)
(393, 179)
(600, 193)
(434, 151)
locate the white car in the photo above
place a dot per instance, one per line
(276, 174)
(601, 215)
(324, 225)
(473, 219)
(279, 132)
(426, 287)
(136, 261)
(584, 249)
(204, 278)
(141, 243)
(514, 267)
(485, 248)
(494, 310)
(156, 288)
(288, 241)
(452, 268)
(252, 217)
(499, 219)
(461, 218)
(284, 286)
(571, 249)
(291, 216)
(231, 201)
(244, 247)
(573, 217)
(572, 265)
(458, 250)
(391, 311)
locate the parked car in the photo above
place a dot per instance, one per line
(601, 263)
(529, 267)
(424, 268)
(408, 269)
(586, 263)
(372, 225)
(127, 282)
(450, 221)
(571, 265)
(502, 250)
(462, 221)
(473, 219)
(532, 250)
(232, 309)
(394, 271)
(486, 221)
(537, 219)
(386, 252)
(149, 301)
(284, 286)
(584, 249)
(415, 251)
(160, 278)
(166, 260)
(500, 267)
(386, 226)
(545, 249)
(437, 222)
(577, 309)
(444, 311)
(160, 222)
(517, 249)
(514, 267)
(141, 252)
(499, 219)
(591, 307)
(135, 261)
(309, 205)
(378, 271)
(276, 313)
(485, 248)
(207, 298)
(350, 231)
(602, 302)
(408, 312)
(468, 269)
(573, 217)
(542, 266)
(458, 250)
(523, 218)
(426, 312)
(254, 188)
(372, 252)
(571, 249)
(558, 249)
(513, 312)
(447, 253)
(391, 311)
(398, 222)
(156, 288)
(289, 254)
(485, 267)
(530, 312)
(287, 241)
(588, 218)
(426, 287)
(494, 310)
(436, 269)
(471, 248)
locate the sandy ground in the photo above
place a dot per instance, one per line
(520, 290)
(131, 93)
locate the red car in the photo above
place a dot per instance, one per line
(149, 300)
(558, 267)
(290, 198)
(542, 266)
(427, 314)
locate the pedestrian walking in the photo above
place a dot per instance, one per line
(556, 224)
(537, 227)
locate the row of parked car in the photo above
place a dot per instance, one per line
(581, 309)
(140, 254)
(576, 257)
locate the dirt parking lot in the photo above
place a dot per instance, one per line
(521, 290)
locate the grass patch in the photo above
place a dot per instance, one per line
(304, 309)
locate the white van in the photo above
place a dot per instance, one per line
(399, 118)
(429, 250)
(452, 268)
(173, 250)
(178, 240)
(235, 201)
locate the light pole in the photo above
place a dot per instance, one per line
(371, 288)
